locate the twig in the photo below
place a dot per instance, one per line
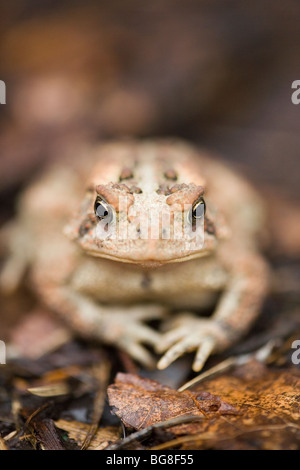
(148, 431)
(260, 354)
(224, 365)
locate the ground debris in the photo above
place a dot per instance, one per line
(78, 432)
(251, 407)
(143, 402)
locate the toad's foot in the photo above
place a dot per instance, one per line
(127, 331)
(189, 333)
(121, 326)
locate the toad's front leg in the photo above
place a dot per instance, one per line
(238, 307)
(121, 326)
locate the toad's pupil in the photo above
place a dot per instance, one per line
(198, 211)
(101, 211)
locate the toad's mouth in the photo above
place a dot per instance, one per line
(148, 262)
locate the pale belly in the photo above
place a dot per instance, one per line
(193, 284)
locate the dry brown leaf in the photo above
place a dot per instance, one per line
(3, 446)
(143, 402)
(53, 390)
(57, 382)
(54, 383)
(268, 401)
(78, 431)
(251, 407)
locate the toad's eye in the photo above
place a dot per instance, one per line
(103, 210)
(197, 211)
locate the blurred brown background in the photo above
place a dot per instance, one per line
(216, 72)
